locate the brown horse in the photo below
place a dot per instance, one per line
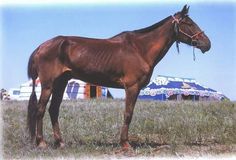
(124, 61)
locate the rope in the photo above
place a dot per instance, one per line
(194, 56)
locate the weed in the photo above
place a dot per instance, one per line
(93, 127)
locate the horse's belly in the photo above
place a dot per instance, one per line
(101, 79)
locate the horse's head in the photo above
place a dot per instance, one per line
(187, 31)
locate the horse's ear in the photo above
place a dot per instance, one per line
(184, 11)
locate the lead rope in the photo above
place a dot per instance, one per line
(177, 46)
(194, 56)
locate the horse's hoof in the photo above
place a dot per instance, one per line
(126, 150)
(42, 145)
(59, 144)
(126, 146)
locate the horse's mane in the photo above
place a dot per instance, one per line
(152, 27)
(143, 30)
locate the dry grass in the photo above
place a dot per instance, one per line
(92, 127)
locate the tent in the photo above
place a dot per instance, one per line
(173, 88)
(75, 89)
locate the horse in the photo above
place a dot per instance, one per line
(126, 61)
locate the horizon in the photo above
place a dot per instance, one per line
(29, 26)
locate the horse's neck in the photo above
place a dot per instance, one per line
(158, 42)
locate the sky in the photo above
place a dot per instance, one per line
(25, 26)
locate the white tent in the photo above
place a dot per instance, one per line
(75, 89)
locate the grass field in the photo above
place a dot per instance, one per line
(92, 127)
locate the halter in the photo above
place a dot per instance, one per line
(177, 30)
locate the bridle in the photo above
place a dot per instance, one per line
(178, 30)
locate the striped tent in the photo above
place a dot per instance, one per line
(173, 88)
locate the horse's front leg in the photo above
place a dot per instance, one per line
(131, 97)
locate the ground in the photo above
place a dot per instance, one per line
(158, 129)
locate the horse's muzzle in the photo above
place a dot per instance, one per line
(203, 45)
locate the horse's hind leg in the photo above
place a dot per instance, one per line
(57, 95)
(44, 97)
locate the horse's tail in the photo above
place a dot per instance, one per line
(32, 106)
(32, 71)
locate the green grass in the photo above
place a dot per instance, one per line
(92, 127)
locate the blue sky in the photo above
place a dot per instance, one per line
(24, 27)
